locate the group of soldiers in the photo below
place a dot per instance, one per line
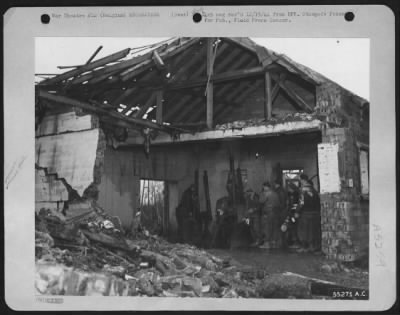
(275, 218)
(280, 218)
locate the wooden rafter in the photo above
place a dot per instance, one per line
(86, 77)
(295, 97)
(59, 99)
(218, 78)
(88, 67)
(168, 53)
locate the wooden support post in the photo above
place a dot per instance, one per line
(159, 108)
(268, 97)
(210, 88)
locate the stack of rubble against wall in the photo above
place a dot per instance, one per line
(344, 220)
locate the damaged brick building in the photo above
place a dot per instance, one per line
(187, 106)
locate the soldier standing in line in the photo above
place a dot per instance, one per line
(309, 224)
(253, 212)
(270, 222)
(185, 216)
(283, 211)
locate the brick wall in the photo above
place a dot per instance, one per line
(344, 215)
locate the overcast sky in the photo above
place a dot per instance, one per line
(343, 60)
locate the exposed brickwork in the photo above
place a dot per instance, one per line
(344, 218)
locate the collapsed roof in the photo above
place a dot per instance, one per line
(164, 86)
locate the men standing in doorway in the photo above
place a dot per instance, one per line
(270, 217)
(309, 224)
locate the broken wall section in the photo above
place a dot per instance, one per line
(69, 158)
(344, 215)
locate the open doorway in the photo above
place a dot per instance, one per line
(154, 206)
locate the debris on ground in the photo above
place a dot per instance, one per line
(91, 254)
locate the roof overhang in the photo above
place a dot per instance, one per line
(245, 132)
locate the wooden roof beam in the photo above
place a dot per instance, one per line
(218, 78)
(87, 67)
(97, 110)
(295, 97)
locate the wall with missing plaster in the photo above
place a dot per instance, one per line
(68, 156)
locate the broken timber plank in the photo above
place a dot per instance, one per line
(85, 68)
(94, 54)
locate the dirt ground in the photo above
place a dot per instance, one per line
(306, 264)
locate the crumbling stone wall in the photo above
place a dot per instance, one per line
(344, 215)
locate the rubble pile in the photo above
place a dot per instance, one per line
(93, 255)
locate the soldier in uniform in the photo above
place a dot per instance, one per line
(185, 216)
(270, 217)
(253, 212)
(309, 224)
